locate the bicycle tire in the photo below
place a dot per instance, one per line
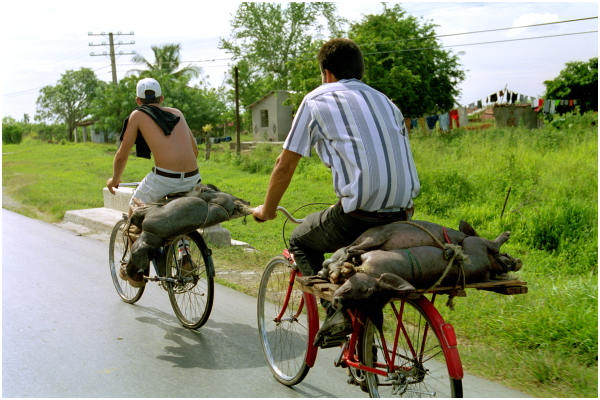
(285, 344)
(119, 252)
(192, 294)
(422, 372)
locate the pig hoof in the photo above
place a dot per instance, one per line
(347, 270)
(323, 273)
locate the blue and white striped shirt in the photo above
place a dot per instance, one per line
(360, 135)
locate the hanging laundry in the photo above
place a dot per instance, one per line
(493, 98)
(552, 106)
(570, 103)
(514, 98)
(479, 105)
(444, 121)
(431, 121)
(547, 106)
(413, 123)
(463, 118)
(422, 123)
(541, 103)
(407, 124)
(454, 119)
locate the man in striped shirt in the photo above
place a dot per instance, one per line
(360, 135)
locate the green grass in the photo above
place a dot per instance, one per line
(544, 343)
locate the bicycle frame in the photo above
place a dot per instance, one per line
(311, 310)
(449, 345)
(348, 356)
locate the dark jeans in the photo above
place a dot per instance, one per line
(330, 229)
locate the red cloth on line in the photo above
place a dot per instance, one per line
(540, 106)
(454, 116)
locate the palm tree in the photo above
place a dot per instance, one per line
(166, 62)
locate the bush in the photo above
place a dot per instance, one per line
(12, 131)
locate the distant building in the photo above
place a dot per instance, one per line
(515, 115)
(271, 119)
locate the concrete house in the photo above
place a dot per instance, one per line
(271, 119)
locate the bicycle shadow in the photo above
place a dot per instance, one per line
(216, 345)
(221, 346)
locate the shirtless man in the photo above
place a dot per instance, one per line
(164, 132)
(168, 137)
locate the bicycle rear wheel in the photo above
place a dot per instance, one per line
(284, 339)
(192, 293)
(420, 365)
(119, 252)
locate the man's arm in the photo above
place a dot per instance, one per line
(280, 179)
(122, 154)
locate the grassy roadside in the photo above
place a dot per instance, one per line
(543, 343)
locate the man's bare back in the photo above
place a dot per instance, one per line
(175, 152)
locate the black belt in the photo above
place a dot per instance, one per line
(175, 175)
(396, 215)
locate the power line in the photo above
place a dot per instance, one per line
(486, 30)
(111, 45)
(480, 43)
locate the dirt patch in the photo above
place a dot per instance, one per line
(239, 277)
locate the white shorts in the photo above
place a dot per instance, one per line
(154, 187)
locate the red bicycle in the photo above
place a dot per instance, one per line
(414, 355)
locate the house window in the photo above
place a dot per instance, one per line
(264, 118)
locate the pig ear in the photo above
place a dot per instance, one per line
(467, 229)
(394, 282)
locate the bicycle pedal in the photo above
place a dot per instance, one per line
(332, 341)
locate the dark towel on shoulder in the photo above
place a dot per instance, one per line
(164, 119)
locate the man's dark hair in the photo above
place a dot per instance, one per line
(343, 58)
(150, 97)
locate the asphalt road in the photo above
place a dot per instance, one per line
(65, 332)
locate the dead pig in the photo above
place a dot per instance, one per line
(396, 235)
(420, 267)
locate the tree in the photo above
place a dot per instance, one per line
(199, 105)
(404, 60)
(577, 81)
(12, 131)
(267, 37)
(166, 62)
(70, 99)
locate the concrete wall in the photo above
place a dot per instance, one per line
(515, 115)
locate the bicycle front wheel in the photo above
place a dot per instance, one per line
(419, 364)
(283, 326)
(119, 252)
(192, 285)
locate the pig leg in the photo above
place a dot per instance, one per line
(500, 240)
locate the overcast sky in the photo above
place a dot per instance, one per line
(43, 39)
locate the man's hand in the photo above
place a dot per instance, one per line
(261, 215)
(112, 183)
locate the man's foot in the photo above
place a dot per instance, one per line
(334, 330)
(136, 283)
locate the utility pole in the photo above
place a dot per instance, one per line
(238, 145)
(111, 52)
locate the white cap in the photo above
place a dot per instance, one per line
(147, 84)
